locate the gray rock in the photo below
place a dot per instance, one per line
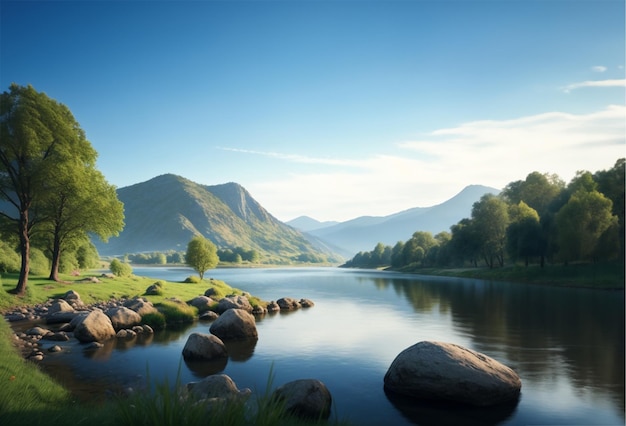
(59, 305)
(62, 317)
(234, 302)
(208, 316)
(201, 346)
(123, 317)
(235, 324)
(201, 302)
(273, 307)
(71, 295)
(216, 386)
(95, 327)
(288, 304)
(307, 398)
(449, 372)
(140, 305)
(55, 348)
(210, 292)
(154, 289)
(306, 303)
(37, 331)
(60, 336)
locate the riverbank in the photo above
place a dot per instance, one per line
(604, 276)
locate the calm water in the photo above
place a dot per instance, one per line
(567, 345)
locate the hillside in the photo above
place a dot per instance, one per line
(165, 212)
(363, 233)
(306, 223)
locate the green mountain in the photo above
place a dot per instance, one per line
(165, 212)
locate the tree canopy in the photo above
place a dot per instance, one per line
(48, 179)
(201, 255)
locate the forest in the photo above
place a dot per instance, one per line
(536, 220)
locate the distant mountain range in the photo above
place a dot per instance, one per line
(165, 212)
(363, 233)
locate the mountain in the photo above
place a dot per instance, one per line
(306, 223)
(165, 212)
(363, 233)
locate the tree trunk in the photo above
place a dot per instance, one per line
(22, 282)
(56, 258)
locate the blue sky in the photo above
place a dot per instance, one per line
(331, 109)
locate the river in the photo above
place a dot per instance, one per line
(566, 344)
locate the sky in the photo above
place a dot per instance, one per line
(331, 109)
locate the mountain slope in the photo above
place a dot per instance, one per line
(306, 223)
(363, 233)
(165, 212)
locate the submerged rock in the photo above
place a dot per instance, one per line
(449, 372)
(307, 398)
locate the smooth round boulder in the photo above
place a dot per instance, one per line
(234, 302)
(94, 327)
(288, 304)
(122, 317)
(449, 372)
(206, 347)
(203, 303)
(305, 398)
(59, 305)
(235, 324)
(216, 386)
(140, 305)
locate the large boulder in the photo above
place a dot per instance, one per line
(288, 304)
(449, 372)
(306, 398)
(234, 302)
(203, 303)
(201, 346)
(94, 327)
(122, 317)
(59, 305)
(235, 324)
(140, 305)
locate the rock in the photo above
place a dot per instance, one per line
(62, 317)
(234, 302)
(71, 295)
(147, 329)
(123, 317)
(273, 307)
(55, 348)
(95, 327)
(94, 345)
(37, 331)
(259, 310)
(140, 305)
(61, 336)
(201, 346)
(306, 303)
(288, 304)
(216, 386)
(59, 305)
(449, 372)
(307, 398)
(235, 324)
(208, 316)
(108, 275)
(154, 289)
(201, 302)
(210, 292)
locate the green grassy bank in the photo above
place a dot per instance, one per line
(607, 276)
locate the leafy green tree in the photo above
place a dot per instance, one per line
(581, 223)
(524, 236)
(397, 257)
(42, 144)
(465, 242)
(87, 255)
(80, 202)
(201, 255)
(612, 183)
(490, 217)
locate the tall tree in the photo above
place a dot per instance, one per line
(490, 217)
(79, 202)
(523, 234)
(581, 223)
(201, 255)
(612, 183)
(36, 135)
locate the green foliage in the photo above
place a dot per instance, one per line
(39, 263)
(176, 312)
(9, 258)
(156, 320)
(201, 255)
(121, 269)
(192, 279)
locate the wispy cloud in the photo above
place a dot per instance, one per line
(296, 158)
(431, 169)
(599, 68)
(595, 83)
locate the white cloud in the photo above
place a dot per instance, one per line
(595, 83)
(429, 170)
(599, 68)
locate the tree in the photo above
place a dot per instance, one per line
(201, 255)
(121, 269)
(523, 234)
(581, 223)
(612, 183)
(37, 134)
(79, 202)
(490, 217)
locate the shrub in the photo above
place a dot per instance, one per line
(192, 279)
(121, 269)
(156, 320)
(177, 312)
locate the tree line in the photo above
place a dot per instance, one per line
(536, 220)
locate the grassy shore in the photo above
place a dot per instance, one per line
(607, 276)
(30, 397)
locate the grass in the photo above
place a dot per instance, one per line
(606, 276)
